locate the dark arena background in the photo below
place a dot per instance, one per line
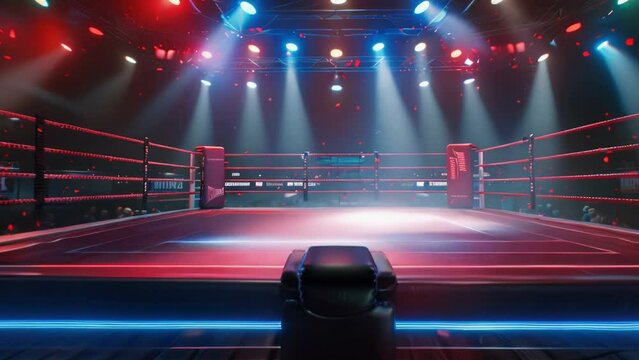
(319, 179)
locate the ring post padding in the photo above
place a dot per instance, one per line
(460, 166)
(212, 188)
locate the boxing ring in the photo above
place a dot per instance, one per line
(465, 268)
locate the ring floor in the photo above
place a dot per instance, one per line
(422, 244)
(452, 265)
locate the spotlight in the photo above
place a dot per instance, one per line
(422, 7)
(621, 2)
(424, 84)
(495, 2)
(248, 8)
(468, 62)
(292, 47)
(420, 47)
(439, 17)
(43, 3)
(254, 49)
(336, 53)
(205, 82)
(207, 54)
(95, 31)
(66, 47)
(543, 57)
(175, 2)
(574, 27)
(130, 60)
(251, 85)
(603, 45)
(456, 53)
(337, 88)
(338, 2)
(469, 81)
(378, 47)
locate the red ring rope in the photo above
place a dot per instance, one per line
(340, 154)
(153, 194)
(332, 154)
(87, 177)
(17, 202)
(330, 180)
(339, 191)
(177, 166)
(568, 155)
(14, 146)
(566, 132)
(569, 197)
(68, 199)
(263, 168)
(17, 175)
(92, 155)
(590, 152)
(412, 154)
(94, 132)
(263, 155)
(334, 167)
(90, 177)
(166, 147)
(626, 175)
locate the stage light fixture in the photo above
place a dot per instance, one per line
(251, 84)
(378, 47)
(603, 45)
(66, 47)
(248, 8)
(43, 3)
(130, 60)
(420, 47)
(621, 2)
(422, 7)
(469, 81)
(292, 47)
(424, 84)
(574, 27)
(336, 53)
(254, 49)
(207, 54)
(543, 57)
(338, 2)
(496, 2)
(337, 88)
(456, 53)
(175, 2)
(205, 82)
(95, 31)
(468, 62)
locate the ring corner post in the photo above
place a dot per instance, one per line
(460, 175)
(212, 185)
